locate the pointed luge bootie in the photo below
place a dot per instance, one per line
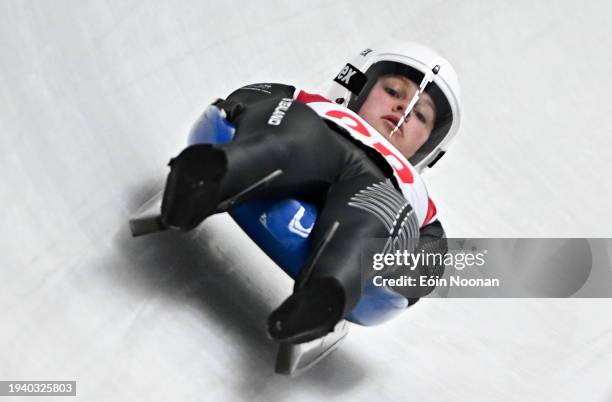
(309, 313)
(192, 188)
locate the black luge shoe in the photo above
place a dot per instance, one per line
(310, 313)
(192, 188)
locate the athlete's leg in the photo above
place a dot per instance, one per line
(365, 208)
(308, 153)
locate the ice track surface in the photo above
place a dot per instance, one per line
(95, 96)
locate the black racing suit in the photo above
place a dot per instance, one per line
(321, 165)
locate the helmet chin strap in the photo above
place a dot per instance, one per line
(429, 76)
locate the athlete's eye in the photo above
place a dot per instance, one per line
(421, 117)
(392, 92)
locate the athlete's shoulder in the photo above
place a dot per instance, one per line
(260, 91)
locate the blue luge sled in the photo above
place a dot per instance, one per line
(281, 228)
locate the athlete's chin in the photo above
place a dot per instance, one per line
(384, 128)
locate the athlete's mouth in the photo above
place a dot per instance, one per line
(393, 120)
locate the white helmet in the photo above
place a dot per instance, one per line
(352, 86)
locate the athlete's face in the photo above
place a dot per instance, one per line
(385, 106)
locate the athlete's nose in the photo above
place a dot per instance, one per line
(397, 107)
